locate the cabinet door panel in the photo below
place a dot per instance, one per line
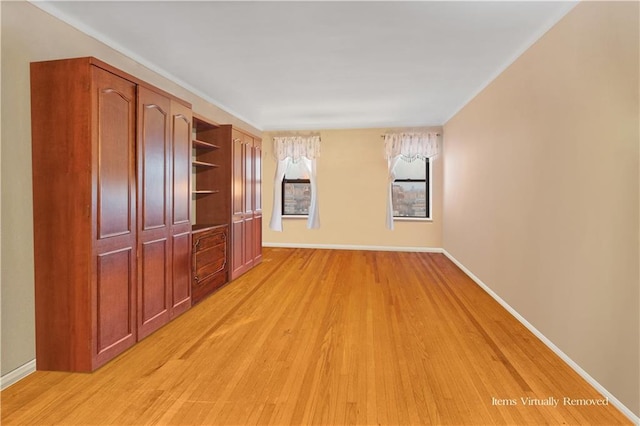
(237, 248)
(257, 240)
(248, 174)
(153, 303)
(237, 174)
(154, 146)
(181, 290)
(115, 109)
(113, 291)
(249, 232)
(257, 177)
(181, 138)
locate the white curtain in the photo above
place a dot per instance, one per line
(288, 149)
(276, 214)
(407, 147)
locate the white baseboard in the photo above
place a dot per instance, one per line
(18, 374)
(612, 399)
(353, 247)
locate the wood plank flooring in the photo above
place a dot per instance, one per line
(322, 337)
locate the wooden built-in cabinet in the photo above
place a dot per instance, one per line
(118, 167)
(227, 191)
(111, 160)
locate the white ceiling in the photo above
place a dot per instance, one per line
(318, 65)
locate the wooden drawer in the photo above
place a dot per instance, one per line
(210, 258)
(209, 239)
(210, 261)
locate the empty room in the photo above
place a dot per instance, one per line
(320, 212)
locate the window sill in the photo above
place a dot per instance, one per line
(412, 219)
(295, 216)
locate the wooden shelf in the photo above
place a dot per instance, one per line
(203, 164)
(202, 124)
(205, 191)
(202, 144)
(207, 226)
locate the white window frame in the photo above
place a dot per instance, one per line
(429, 217)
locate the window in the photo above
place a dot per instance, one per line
(411, 190)
(296, 190)
(408, 157)
(295, 184)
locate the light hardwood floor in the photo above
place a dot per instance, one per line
(325, 338)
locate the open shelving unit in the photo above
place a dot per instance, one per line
(210, 197)
(211, 175)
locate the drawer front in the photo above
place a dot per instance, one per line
(209, 254)
(210, 260)
(207, 240)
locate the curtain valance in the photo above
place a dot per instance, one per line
(410, 146)
(296, 147)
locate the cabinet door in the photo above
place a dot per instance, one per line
(154, 210)
(237, 204)
(113, 297)
(257, 203)
(181, 205)
(248, 187)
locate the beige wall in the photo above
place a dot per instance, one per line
(352, 191)
(541, 183)
(29, 34)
